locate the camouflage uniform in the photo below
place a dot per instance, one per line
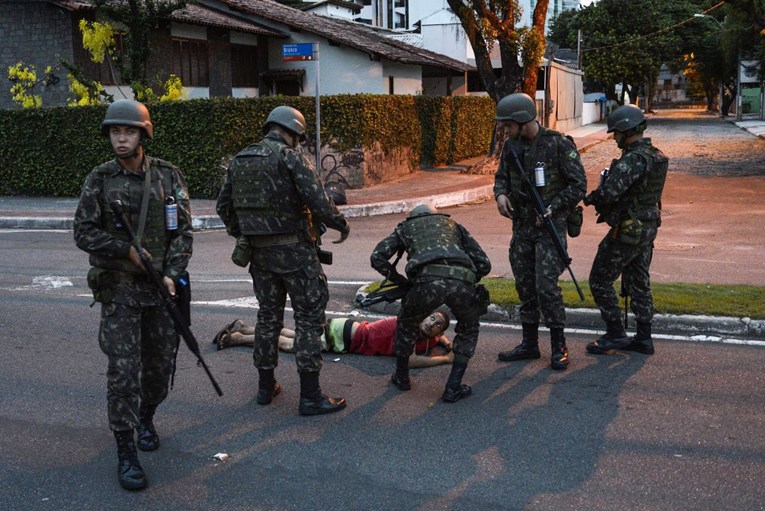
(631, 190)
(269, 200)
(535, 262)
(136, 333)
(444, 263)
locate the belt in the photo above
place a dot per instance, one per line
(273, 240)
(448, 272)
(122, 277)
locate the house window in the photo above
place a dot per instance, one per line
(287, 87)
(190, 62)
(390, 85)
(244, 65)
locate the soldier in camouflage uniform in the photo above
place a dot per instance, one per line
(136, 332)
(444, 264)
(271, 201)
(534, 260)
(629, 201)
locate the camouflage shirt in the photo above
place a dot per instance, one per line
(624, 173)
(93, 221)
(396, 242)
(299, 173)
(565, 176)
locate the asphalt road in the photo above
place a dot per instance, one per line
(680, 430)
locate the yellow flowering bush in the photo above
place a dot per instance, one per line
(174, 90)
(97, 38)
(24, 78)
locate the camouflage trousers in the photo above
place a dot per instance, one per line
(536, 267)
(307, 289)
(141, 342)
(427, 295)
(632, 262)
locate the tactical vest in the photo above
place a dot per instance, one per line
(432, 238)
(546, 152)
(263, 193)
(155, 236)
(647, 192)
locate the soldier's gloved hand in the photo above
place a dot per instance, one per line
(344, 233)
(504, 207)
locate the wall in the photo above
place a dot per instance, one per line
(342, 70)
(565, 92)
(407, 79)
(593, 112)
(38, 34)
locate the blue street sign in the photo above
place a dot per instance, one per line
(303, 51)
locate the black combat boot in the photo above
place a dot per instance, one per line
(129, 470)
(455, 389)
(642, 342)
(401, 377)
(615, 338)
(559, 356)
(268, 389)
(527, 349)
(148, 440)
(312, 401)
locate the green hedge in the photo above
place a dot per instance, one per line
(48, 152)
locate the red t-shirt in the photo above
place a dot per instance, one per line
(376, 338)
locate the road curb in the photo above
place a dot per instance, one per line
(670, 324)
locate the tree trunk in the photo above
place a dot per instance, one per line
(531, 68)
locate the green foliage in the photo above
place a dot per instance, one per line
(48, 152)
(668, 298)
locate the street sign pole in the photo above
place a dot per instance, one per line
(318, 111)
(301, 52)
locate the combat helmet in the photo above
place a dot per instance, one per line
(626, 118)
(422, 210)
(516, 107)
(127, 112)
(288, 118)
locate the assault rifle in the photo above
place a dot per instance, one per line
(388, 291)
(540, 208)
(167, 299)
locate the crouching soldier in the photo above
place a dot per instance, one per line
(444, 265)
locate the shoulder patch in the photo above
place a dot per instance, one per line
(573, 155)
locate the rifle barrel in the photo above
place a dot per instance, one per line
(539, 206)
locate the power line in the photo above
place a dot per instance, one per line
(638, 38)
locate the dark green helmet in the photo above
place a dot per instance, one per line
(422, 210)
(625, 118)
(127, 112)
(288, 118)
(516, 107)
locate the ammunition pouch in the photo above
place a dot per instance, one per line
(325, 256)
(574, 222)
(102, 282)
(242, 252)
(448, 272)
(630, 231)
